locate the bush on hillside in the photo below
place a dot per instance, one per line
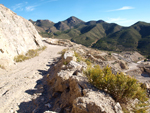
(121, 87)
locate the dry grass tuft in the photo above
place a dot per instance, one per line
(30, 54)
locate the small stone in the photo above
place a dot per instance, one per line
(11, 110)
(48, 105)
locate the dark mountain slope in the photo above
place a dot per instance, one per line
(89, 34)
(45, 24)
(61, 26)
(126, 39)
(135, 37)
(99, 34)
(143, 28)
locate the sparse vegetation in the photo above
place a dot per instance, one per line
(141, 108)
(109, 53)
(42, 48)
(62, 52)
(88, 62)
(20, 58)
(45, 34)
(78, 56)
(30, 54)
(65, 63)
(145, 60)
(121, 87)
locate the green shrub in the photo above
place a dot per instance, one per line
(141, 108)
(121, 87)
(109, 53)
(79, 58)
(88, 62)
(145, 60)
(65, 63)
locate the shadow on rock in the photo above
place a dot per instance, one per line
(144, 74)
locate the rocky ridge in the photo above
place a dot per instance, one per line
(17, 36)
(69, 90)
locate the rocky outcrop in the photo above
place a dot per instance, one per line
(17, 35)
(145, 67)
(71, 92)
(95, 102)
(123, 64)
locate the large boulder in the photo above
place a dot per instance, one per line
(17, 35)
(96, 102)
(123, 64)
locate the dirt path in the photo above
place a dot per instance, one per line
(15, 84)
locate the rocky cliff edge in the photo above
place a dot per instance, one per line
(17, 36)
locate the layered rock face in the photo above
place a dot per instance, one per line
(17, 36)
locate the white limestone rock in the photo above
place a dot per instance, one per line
(17, 35)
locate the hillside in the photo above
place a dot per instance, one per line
(47, 28)
(135, 37)
(101, 35)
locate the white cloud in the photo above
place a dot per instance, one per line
(19, 6)
(23, 6)
(123, 8)
(30, 8)
(121, 21)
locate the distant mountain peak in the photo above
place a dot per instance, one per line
(45, 21)
(73, 18)
(139, 23)
(73, 21)
(100, 21)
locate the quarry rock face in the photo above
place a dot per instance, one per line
(17, 36)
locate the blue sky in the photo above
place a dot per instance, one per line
(122, 12)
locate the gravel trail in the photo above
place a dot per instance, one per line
(16, 82)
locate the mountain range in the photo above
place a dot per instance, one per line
(99, 34)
